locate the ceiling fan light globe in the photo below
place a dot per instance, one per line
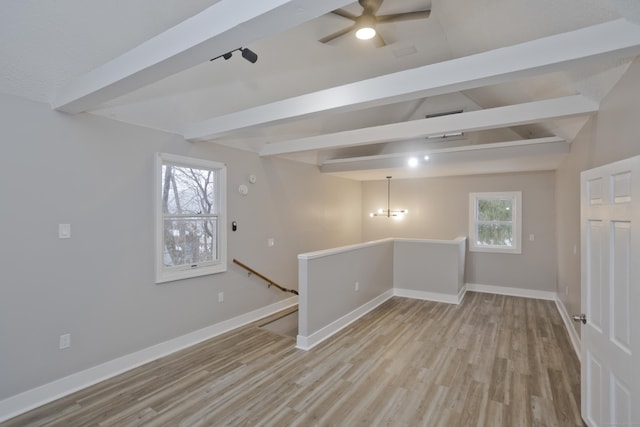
(365, 33)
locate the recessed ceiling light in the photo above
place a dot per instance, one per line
(413, 162)
(426, 157)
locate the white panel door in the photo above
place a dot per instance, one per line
(610, 258)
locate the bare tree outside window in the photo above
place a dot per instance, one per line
(191, 238)
(190, 222)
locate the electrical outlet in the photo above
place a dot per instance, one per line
(357, 286)
(65, 341)
(220, 296)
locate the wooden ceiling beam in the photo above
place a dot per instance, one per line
(221, 28)
(491, 118)
(479, 152)
(608, 41)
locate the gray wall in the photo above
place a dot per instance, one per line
(97, 175)
(613, 134)
(328, 287)
(431, 266)
(439, 209)
(328, 279)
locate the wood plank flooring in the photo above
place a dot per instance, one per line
(491, 361)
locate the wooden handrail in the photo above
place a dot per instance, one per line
(265, 278)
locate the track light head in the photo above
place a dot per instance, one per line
(249, 55)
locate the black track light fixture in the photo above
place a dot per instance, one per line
(247, 54)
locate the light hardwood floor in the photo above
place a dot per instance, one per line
(490, 361)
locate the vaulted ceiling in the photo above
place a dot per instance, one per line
(523, 77)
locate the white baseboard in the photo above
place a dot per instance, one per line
(30, 399)
(308, 342)
(514, 292)
(431, 296)
(568, 324)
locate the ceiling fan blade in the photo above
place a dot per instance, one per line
(345, 14)
(337, 34)
(406, 16)
(378, 41)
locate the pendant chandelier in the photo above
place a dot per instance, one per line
(389, 213)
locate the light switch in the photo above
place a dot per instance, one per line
(64, 341)
(271, 242)
(64, 231)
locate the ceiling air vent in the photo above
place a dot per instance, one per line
(448, 134)
(446, 113)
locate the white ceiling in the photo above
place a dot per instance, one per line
(527, 74)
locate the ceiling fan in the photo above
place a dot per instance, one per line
(365, 24)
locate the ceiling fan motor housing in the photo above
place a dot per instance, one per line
(369, 20)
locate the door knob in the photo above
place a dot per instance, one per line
(582, 318)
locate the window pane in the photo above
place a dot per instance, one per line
(189, 241)
(187, 190)
(495, 222)
(495, 235)
(495, 210)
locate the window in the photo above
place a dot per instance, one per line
(190, 217)
(495, 222)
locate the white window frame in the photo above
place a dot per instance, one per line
(516, 221)
(167, 274)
